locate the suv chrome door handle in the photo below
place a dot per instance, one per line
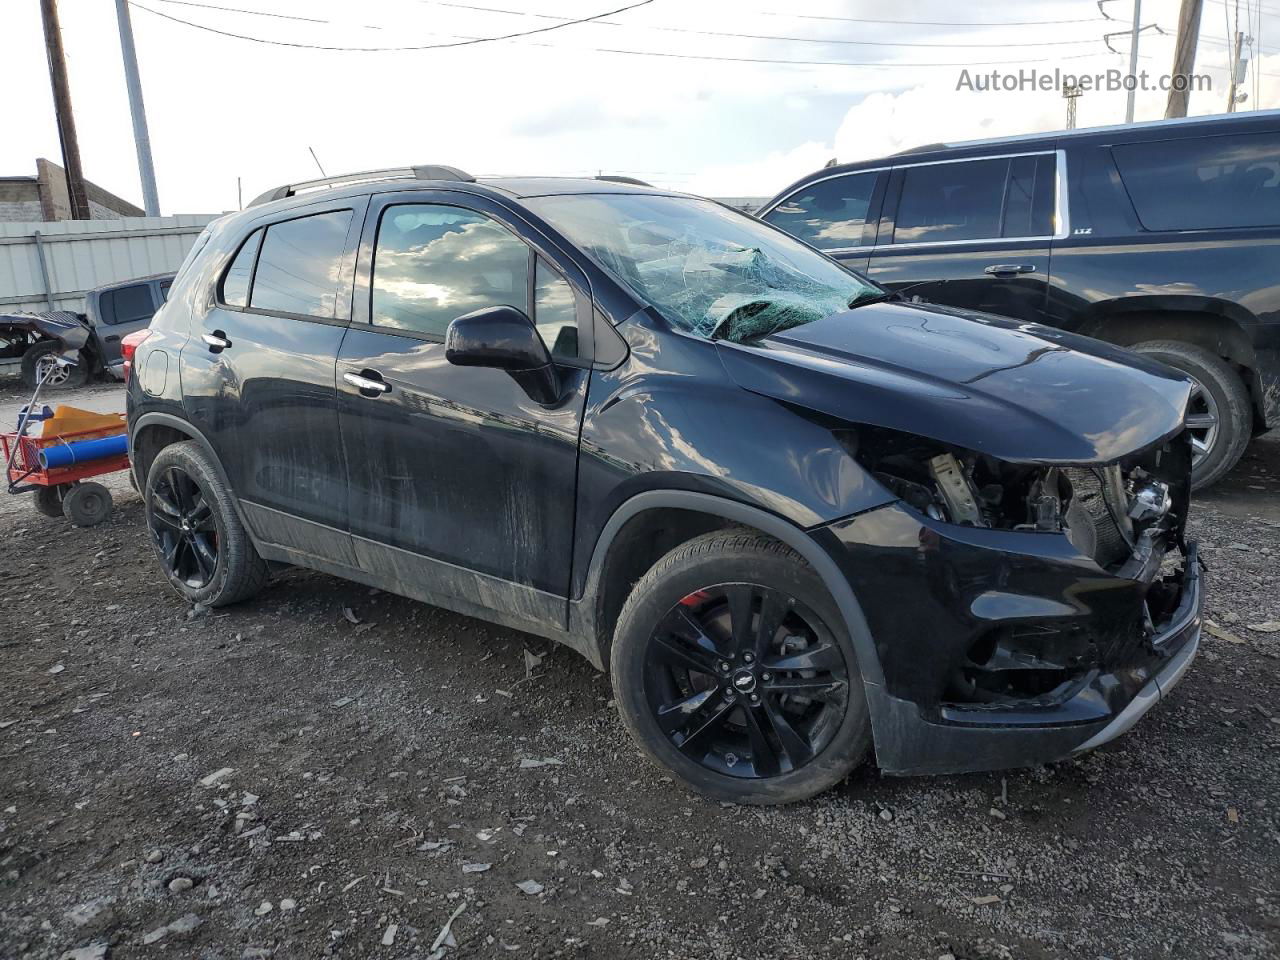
(367, 385)
(1009, 269)
(217, 340)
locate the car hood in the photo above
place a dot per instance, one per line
(1020, 392)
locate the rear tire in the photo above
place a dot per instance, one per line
(40, 355)
(713, 709)
(87, 504)
(1220, 405)
(202, 546)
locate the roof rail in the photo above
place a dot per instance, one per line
(630, 180)
(420, 172)
(923, 148)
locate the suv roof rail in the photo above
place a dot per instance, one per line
(923, 148)
(419, 172)
(630, 180)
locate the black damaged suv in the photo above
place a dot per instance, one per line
(794, 515)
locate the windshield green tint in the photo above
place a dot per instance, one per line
(707, 269)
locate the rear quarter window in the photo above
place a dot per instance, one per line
(1203, 183)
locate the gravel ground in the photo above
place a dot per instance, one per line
(330, 770)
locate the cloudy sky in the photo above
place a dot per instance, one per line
(721, 97)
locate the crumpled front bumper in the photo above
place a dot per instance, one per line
(930, 591)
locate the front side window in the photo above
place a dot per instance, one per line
(235, 282)
(706, 269)
(555, 312)
(951, 201)
(128, 304)
(830, 214)
(1209, 182)
(433, 263)
(300, 266)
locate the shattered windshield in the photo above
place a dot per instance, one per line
(707, 269)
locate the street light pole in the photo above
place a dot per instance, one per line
(141, 138)
(1133, 61)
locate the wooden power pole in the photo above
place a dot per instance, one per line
(1184, 57)
(76, 193)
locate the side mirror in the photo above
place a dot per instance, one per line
(503, 338)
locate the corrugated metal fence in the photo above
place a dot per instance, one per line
(51, 266)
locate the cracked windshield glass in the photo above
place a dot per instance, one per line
(707, 269)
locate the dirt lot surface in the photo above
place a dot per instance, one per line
(329, 770)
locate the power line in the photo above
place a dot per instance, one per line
(766, 36)
(471, 41)
(255, 13)
(467, 41)
(929, 23)
(769, 36)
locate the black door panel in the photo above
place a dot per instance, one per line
(961, 276)
(457, 463)
(261, 384)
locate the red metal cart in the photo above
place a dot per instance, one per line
(62, 491)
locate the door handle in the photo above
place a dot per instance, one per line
(217, 341)
(1009, 269)
(369, 386)
(114, 338)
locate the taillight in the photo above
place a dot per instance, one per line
(129, 344)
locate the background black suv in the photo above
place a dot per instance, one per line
(1163, 237)
(791, 513)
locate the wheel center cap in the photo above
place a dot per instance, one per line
(744, 681)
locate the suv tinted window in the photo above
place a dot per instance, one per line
(127, 304)
(1028, 202)
(1203, 183)
(300, 265)
(235, 284)
(433, 263)
(829, 214)
(555, 312)
(951, 201)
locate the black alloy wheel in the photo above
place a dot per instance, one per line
(183, 527)
(745, 680)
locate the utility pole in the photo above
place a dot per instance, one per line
(76, 194)
(1133, 62)
(141, 138)
(1184, 57)
(1237, 74)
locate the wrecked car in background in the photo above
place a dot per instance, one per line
(111, 312)
(793, 515)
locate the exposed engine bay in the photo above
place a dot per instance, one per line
(1124, 516)
(1127, 517)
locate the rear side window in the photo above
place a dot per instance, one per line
(434, 263)
(127, 304)
(235, 284)
(1231, 181)
(977, 200)
(300, 266)
(829, 214)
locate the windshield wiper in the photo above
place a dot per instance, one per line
(900, 294)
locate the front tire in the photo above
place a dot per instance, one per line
(732, 668)
(1220, 416)
(199, 540)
